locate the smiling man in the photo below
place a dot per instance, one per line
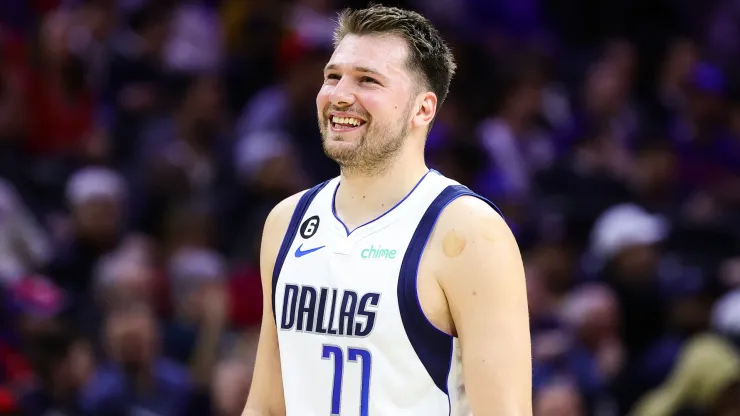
(381, 283)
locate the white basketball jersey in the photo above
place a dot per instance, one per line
(353, 339)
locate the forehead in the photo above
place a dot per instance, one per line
(386, 54)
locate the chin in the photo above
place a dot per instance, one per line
(343, 140)
(334, 145)
(339, 150)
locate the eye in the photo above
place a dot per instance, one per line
(334, 77)
(369, 79)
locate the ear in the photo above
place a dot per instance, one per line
(426, 109)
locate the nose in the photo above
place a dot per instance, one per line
(342, 95)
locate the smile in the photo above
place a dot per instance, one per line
(345, 123)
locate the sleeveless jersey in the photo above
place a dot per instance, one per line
(352, 336)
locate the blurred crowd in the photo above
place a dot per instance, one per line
(143, 142)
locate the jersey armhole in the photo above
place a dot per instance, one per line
(433, 347)
(295, 221)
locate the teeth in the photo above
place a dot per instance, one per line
(346, 120)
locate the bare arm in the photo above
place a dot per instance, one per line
(266, 395)
(483, 280)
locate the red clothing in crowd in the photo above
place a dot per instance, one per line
(61, 124)
(15, 370)
(245, 291)
(14, 365)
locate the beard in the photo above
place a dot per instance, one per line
(373, 151)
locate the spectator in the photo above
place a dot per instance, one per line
(135, 78)
(57, 93)
(96, 197)
(559, 399)
(200, 310)
(516, 147)
(708, 366)
(136, 378)
(230, 386)
(592, 312)
(61, 361)
(62, 364)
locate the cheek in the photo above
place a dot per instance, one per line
(380, 109)
(322, 99)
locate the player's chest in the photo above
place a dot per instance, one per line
(337, 286)
(370, 261)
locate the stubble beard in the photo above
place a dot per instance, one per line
(373, 153)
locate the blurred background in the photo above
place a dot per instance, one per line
(143, 142)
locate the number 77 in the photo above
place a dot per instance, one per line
(352, 355)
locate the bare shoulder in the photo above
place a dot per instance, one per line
(467, 225)
(274, 230)
(471, 236)
(471, 212)
(279, 217)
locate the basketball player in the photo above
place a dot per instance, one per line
(378, 282)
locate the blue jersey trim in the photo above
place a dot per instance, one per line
(334, 205)
(432, 346)
(293, 226)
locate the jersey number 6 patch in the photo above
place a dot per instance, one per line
(310, 226)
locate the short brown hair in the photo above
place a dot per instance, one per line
(430, 55)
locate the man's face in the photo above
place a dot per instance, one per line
(366, 106)
(131, 334)
(98, 219)
(203, 103)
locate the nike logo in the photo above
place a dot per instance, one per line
(301, 253)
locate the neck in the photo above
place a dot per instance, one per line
(362, 198)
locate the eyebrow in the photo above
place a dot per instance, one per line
(332, 67)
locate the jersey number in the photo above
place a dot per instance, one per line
(352, 355)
